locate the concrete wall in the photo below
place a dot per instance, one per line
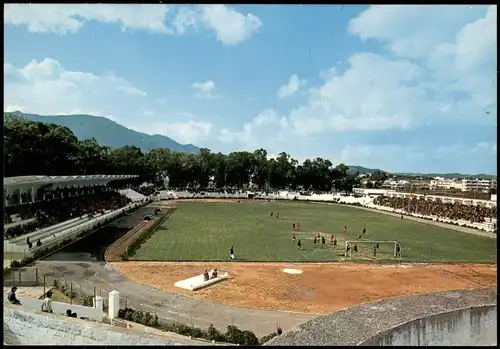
(468, 327)
(464, 317)
(24, 327)
(60, 308)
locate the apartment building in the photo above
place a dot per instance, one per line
(462, 184)
(479, 184)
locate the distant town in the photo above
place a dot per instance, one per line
(478, 188)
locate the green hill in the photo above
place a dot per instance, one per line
(110, 133)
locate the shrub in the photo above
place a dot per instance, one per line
(15, 264)
(267, 338)
(234, 335)
(138, 316)
(249, 338)
(197, 332)
(214, 334)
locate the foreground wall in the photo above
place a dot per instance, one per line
(465, 317)
(468, 327)
(22, 326)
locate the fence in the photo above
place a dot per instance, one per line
(19, 277)
(80, 293)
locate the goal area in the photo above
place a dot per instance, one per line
(387, 250)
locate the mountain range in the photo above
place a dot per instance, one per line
(112, 134)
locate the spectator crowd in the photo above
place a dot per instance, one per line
(51, 212)
(454, 211)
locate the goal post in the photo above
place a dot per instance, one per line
(386, 250)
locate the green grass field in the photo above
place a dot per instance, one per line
(206, 231)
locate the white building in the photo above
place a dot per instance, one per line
(463, 185)
(446, 183)
(395, 184)
(479, 184)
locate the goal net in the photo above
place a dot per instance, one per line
(363, 249)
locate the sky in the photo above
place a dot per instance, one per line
(401, 88)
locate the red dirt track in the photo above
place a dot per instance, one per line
(321, 288)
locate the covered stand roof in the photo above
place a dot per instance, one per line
(12, 183)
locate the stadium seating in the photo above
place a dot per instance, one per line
(61, 213)
(456, 211)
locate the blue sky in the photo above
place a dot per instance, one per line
(402, 88)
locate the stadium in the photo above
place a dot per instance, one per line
(372, 246)
(249, 175)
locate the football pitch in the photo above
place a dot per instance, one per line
(202, 231)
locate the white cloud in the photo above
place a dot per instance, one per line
(182, 132)
(13, 108)
(148, 112)
(255, 133)
(230, 26)
(46, 87)
(440, 71)
(437, 68)
(161, 101)
(204, 89)
(418, 158)
(63, 19)
(290, 87)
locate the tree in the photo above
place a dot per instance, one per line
(34, 148)
(378, 178)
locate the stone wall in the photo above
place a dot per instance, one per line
(465, 317)
(25, 327)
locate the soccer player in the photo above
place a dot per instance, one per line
(364, 231)
(323, 241)
(378, 246)
(331, 239)
(375, 251)
(334, 243)
(293, 238)
(299, 244)
(318, 236)
(355, 248)
(293, 225)
(345, 228)
(398, 250)
(359, 237)
(232, 252)
(314, 242)
(277, 215)
(297, 225)
(272, 214)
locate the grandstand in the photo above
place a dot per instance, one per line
(42, 211)
(480, 214)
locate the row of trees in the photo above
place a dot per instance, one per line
(34, 148)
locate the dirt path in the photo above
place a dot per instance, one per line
(321, 288)
(118, 250)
